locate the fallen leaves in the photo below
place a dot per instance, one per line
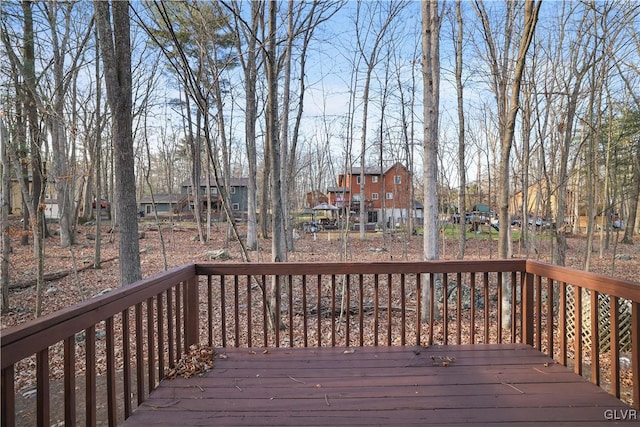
(443, 361)
(197, 361)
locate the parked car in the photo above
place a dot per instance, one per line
(103, 204)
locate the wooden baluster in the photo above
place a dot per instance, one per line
(265, 328)
(418, 308)
(459, 308)
(389, 306)
(223, 310)
(562, 323)
(550, 297)
(432, 297)
(178, 319)
(112, 406)
(577, 299)
(236, 310)
(160, 331)
(499, 310)
(319, 310)
(614, 333)
(376, 305)
(42, 387)
(635, 352)
(305, 322)
(445, 308)
(151, 358)
(126, 354)
(69, 381)
(90, 376)
(291, 313)
(348, 310)
(485, 284)
(333, 310)
(139, 354)
(361, 309)
(539, 313)
(403, 311)
(472, 319)
(595, 338)
(210, 327)
(8, 409)
(249, 316)
(514, 290)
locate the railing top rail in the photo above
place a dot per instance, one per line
(54, 327)
(597, 282)
(391, 267)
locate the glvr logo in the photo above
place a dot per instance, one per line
(621, 414)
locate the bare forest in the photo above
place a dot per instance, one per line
(127, 126)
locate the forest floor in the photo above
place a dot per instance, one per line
(73, 278)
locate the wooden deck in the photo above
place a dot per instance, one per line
(437, 385)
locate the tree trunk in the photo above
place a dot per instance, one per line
(115, 46)
(431, 102)
(6, 207)
(462, 183)
(96, 149)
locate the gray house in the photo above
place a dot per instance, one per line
(238, 197)
(162, 204)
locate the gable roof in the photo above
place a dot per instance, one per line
(233, 182)
(160, 198)
(375, 170)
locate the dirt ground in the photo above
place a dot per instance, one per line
(73, 278)
(78, 280)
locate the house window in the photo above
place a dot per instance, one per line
(374, 179)
(389, 196)
(214, 190)
(397, 179)
(374, 196)
(233, 190)
(356, 197)
(235, 207)
(358, 180)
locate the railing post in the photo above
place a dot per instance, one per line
(191, 313)
(527, 309)
(635, 351)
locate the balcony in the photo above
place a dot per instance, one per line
(349, 345)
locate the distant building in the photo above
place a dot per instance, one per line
(387, 194)
(238, 197)
(162, 204)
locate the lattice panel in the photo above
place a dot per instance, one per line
(624, 320)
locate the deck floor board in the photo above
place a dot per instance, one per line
(439, 385)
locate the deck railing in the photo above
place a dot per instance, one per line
(119, 346)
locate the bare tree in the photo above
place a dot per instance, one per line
(27, 131)
(506, 87)
(370, 55)
(63, 80)
(462, 178)
(248, 58)
(278, 243)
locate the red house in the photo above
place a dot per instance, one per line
(387, 193)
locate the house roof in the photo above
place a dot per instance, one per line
(161, 198)
(375, 170)
(234, 182)
(338, 190)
